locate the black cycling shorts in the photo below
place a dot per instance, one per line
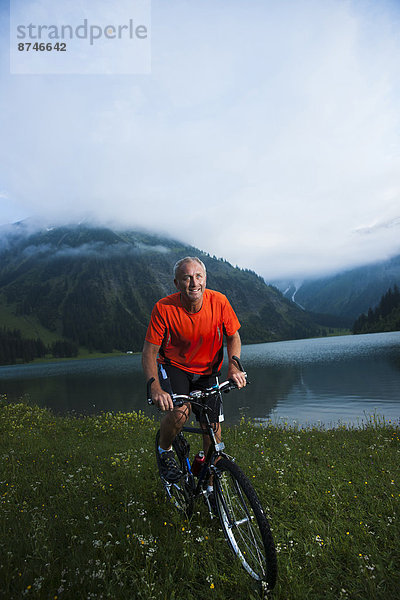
(176, 381)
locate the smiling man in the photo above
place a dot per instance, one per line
(183, 351)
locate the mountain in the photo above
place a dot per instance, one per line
(347, 294)
(95, 286)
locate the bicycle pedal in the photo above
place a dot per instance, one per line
(168, 484)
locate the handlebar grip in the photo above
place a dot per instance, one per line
(150, 381)
(239, 364)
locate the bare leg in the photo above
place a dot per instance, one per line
(172, 424)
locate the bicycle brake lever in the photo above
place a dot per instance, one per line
(232, 386)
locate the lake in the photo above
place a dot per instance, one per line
(326, 380)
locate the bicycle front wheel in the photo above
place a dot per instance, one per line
(180, 492)
(244, 523)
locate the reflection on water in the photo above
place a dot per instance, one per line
(328, 380)
(82, 386)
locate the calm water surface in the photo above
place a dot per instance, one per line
(327, 380)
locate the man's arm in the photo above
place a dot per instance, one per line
(234, 345)
(149, 362)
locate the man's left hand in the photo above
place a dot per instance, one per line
(238, 377)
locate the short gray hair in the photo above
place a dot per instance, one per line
(182, 261)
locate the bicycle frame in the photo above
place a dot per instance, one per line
(215, 450)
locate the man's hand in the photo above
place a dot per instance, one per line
(161, 399)
(238, 377)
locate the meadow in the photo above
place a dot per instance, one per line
(83, 515)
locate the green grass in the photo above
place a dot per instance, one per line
(83, 514)
(31, 328)
(28, 325)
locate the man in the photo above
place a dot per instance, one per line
(183, 351)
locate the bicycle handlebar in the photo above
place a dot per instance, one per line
(179, 399)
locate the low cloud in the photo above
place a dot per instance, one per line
(393, 223)
(92, 249)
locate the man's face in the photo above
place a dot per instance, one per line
(191, 282)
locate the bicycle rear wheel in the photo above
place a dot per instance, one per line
(180, 493)
(244, 523)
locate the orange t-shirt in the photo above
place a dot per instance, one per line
(192, 341)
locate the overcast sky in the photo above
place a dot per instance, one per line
(267, 133)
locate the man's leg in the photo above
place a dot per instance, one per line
(172, 379)
(206, 437)
(172, 424)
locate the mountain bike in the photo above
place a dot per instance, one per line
(233, 500)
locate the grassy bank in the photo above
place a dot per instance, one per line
(83, 515)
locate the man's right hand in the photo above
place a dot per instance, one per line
(161, 399)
